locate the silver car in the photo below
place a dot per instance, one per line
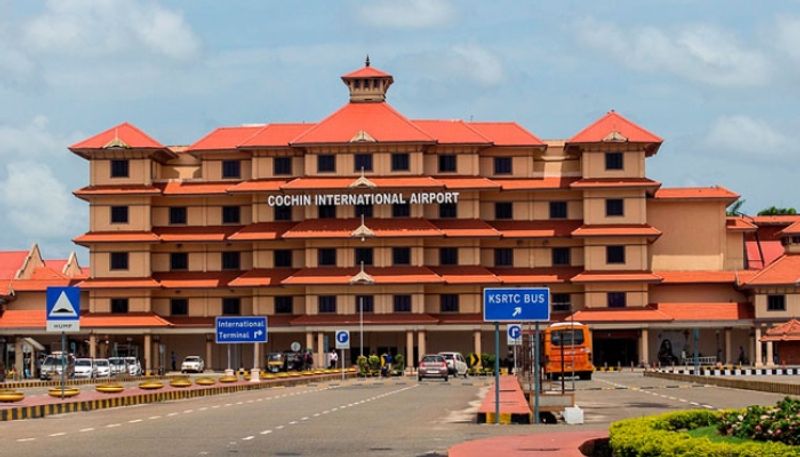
(134, 366)
(118, 365)
(456, 365)
(433, 366)
(192, 363)
(84, 369)
(102, 368)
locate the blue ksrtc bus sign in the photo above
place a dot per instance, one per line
(516, 304)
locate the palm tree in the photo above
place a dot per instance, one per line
(775, 211)
(735, 208)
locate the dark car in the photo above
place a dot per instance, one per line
(433, 366)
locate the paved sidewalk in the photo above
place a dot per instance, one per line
(562, 444)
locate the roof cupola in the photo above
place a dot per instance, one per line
(367, 84)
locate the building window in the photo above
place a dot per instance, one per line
(402, 303)
(326, 212)
(363, 162)
(326, 257)
(400, 162)
(448, 256)
(561, 302)
(401, 210)
(504, 257)
(177, 215)
(326, 304)
(502, 165)
(614, 161)
(284, 304)
(558, 210)
(231, 260)
(401, 256)
(447, 210)
(231, 169)
(776, 302)
(283, 213)
(231, 306)
(231, 215)
(178, 307)
(615, 207)
(282, 258)
(326, 163)
(560, 256)
(364, 210)
(447, 163)
(282, 166)
(616, 299)
(119, 169)
(119, 305)
(448, 303)
(365, 303)
(504, 210)
(119, 260)
(178, 261)
(615, 254)
(363, 255)
(119, 214)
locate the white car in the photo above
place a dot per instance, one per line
(134, 366)
(84, 369)
(193, 363)
(456, 365)
(117, 365)
(102, 368)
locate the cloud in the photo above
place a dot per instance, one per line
(406, 14)
(698, 52)
(100, 28)
(462, 62)
(745, 135)
(787, 36)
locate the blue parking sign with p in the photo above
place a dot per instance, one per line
(342, 339)
(514, 334)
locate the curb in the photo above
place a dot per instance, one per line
(747, 384)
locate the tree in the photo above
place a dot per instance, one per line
(735, 208)
(774, 211)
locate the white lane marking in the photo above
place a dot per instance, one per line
(248, 438)
(292, 422)
(239, 403)
(84, 430)
(172, 414)
(279, 427)
(683, 401)
(203, 408)
(266, 432)
(22, 440)
(57, 434)
(694, 403)
(260, 399)
(304, 418)
(187, 411)
(707, 406)
(134, 421)
(228, 404)
(154, 417)
(249, 401)
(216, 406)
(316, 414)
(113, 425)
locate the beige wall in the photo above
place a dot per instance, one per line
(594, 165)
(138, 214)
(596, 294)
(138, 261)
(212, 168)
(594, 207)
(792, 304)
(734, 251)
(635, 254)
(139, 172)
(694, 235)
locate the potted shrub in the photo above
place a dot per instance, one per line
(399, 366)
(363, 368)
(374, 365)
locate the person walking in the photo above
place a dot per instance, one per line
(333, 359)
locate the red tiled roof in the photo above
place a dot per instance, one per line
(697, 277)
(739, 224)
(695, 193)
(259, 185)
(715, 311)
(378, 120)
(793, 229)
(453, 228)
(784, 271)
(11, 262)
(116, 237)
(224, 138)
(22, 318)
(536, 229)
(549, 183)
(762, 253)
(615, 276)
(129, 190)
(382, 275)
(275, 136)
(343, 228)
(788, 331)
(41, 285)
(126, 133)
(195, 279)
(506, 134)
(509, 275)
(612, 127)
(194, 187)
(616, 230)
(451, 132)
(596, 315)
(369, 319)
(344, 183)
(119, 283)
(181, 234)
(783, 219)
(466, 182)
(262, 277)
(366, 72)
(466, 274)
(606, 183)
(262, 231)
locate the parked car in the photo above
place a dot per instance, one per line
(432, 366)
(53, 363)
(118, 365)
(134, 366)
(193, 363)
(456, 364)
(102, 368)
(84, 369)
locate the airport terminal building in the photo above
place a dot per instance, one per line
(407, 220)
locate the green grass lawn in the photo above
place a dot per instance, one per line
(711, 433)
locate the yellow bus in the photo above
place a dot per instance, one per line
(573, 342)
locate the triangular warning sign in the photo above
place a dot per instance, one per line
(63, 307)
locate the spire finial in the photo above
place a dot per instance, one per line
(366, 62)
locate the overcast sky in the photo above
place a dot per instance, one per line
(718, 80)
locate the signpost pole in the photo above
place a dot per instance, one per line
(342, 358)
(63, 362)
(696, 338)
(361, 325)
(536, 374)
(563, 374)
(496, 372)
(229, 358)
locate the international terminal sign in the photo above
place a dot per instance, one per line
(352, 199)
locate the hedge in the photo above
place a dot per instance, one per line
(664, 435)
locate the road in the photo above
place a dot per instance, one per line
(383, 418)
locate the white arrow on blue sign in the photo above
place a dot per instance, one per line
(342, 339)
(514, 334)
(63, 311)
(234, 330)
(516, 304)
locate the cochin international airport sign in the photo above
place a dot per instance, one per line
(379, 198)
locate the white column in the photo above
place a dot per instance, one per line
(421, 343)
(148, 355)
(93, 346)
(409, 349)
(320, 356)
(728, 347)
(644, 348)
(758, 361)
(209, 352)
(476, 342)
(770, 359)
